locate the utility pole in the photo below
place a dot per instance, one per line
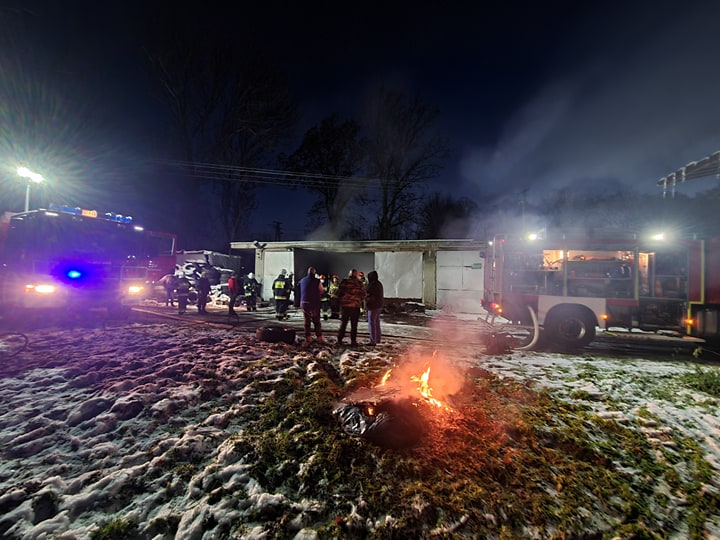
(277, 225)
(523, 202)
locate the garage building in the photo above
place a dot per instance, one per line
(441, 274)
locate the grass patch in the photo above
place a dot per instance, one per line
(509, 462)
(703, 380)
(117, 529)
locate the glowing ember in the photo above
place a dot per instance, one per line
(385, 377)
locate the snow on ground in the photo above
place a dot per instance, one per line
(95, 420)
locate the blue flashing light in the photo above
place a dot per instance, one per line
(74, 273)
(118, 217)
(110, 216)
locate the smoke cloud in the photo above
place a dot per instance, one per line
(640, 104)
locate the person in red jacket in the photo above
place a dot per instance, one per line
(234, 291)
(351, 294)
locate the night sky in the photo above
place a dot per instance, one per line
(534, 96)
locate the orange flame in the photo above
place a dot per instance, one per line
(424, 387)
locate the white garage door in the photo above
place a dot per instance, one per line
(459, 281)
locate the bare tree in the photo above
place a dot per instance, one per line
(442, 216)
(403, 154)
(231, 110)
(328, 161)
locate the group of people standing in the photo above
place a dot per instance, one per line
(345, 299)
(178, 288)
(247, 288)
(351, 294)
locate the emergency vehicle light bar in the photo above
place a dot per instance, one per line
(110, 216)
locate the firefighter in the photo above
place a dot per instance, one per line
(325, 298)
(182, 291)
(361, 277)
(251, 288)
(203, 292)
(282, 287)
(333, 294)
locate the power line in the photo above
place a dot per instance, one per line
(233, 173)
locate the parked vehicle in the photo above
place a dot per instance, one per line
(566, 284)
(64, 257)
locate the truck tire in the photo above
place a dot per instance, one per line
(570, 327)
(276, 334)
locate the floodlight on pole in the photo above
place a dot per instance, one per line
(32, 178)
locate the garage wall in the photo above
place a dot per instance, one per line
(460, 281)
(456, 278)
(400, 273)
(274, 261)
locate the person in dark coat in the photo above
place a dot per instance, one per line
(311, 290)
(374, 303)
(203, 291)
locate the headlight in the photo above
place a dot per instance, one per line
(135, 289)
(42, 288)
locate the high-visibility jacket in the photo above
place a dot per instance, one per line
(251, 287)
(281, 288)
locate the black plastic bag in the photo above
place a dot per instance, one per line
(389, 423)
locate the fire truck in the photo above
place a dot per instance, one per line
(564, 285)
(73, 258)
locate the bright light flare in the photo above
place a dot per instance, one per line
(32, 176)
(135, 289)
(42, 288)
(658, 236)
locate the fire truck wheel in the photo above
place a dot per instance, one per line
(276, 334)
(570, 327)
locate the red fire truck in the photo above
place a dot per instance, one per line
(64, 257)
(565, 284)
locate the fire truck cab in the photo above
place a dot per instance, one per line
(566, 284)
(70, 258)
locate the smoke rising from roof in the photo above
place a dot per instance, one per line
(641, 104)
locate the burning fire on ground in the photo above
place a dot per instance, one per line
(388, 413)
(430, 380)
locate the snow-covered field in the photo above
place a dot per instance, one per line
(144, 426)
